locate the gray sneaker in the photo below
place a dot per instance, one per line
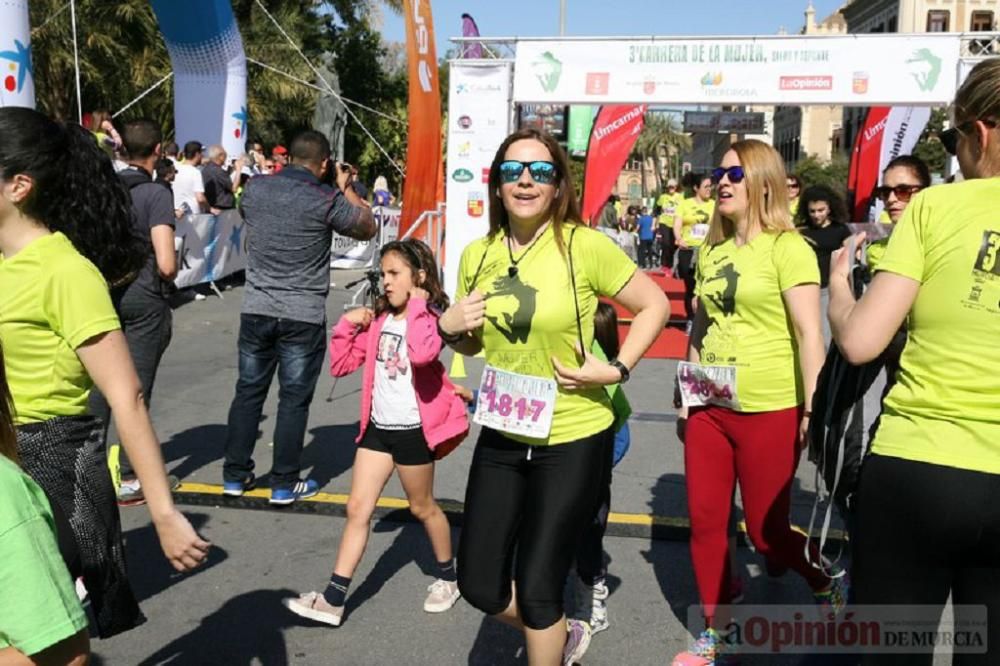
(443, 595)
(130, 492)
(313, 606)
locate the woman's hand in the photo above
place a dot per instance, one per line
(466, 315)
(594, 372)
(682, 421)
(465, 394)
(180, 543)
(804, 431)
(360, 317)
(840, 260)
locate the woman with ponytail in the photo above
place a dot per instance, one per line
(65, 237)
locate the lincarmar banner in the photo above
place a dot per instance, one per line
(210, 71)
(861, 70)
(423, 153)
(615, 130)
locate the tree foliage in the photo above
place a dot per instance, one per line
(814, 171)
(659, 143)
(929, 147)
(122, 54)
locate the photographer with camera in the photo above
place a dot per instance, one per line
(290, 220)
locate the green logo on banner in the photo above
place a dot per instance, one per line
(548, 70)
(929, 72)
(461, 176)
(581, 121)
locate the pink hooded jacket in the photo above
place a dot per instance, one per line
(443, 414)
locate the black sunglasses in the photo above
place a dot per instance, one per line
(902, 192)
(949, 137)
(542, 172)
(735, 173)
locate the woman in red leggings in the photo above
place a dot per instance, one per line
(755, 352)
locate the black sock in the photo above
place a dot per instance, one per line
(446, 571)
(336, 590)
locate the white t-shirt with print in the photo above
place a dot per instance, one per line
(187, 184)
(394, 401)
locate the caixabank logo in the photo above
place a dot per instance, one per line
(18, 61)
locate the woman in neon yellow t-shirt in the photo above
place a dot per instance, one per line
(690, 228)
(526, 296)
(927, 520)
(65, 232)
(756, 350)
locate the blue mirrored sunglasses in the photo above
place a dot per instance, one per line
(543, 173)
(735, 173)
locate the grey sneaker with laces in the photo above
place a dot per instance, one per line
(443, 595)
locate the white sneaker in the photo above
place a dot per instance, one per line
(599, 609)
(443, 595)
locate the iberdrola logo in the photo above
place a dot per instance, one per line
(19, 66)
(548, 70)
(928, 71)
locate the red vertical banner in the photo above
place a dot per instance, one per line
(615, 131)
(423, 153)
(865, 160)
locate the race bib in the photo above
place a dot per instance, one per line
(703, 385)
(515, 404)
(699, 231)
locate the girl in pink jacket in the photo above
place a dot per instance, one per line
(411, 415)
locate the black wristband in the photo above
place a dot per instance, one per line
(450, 339)
(621, 368)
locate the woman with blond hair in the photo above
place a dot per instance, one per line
(928, 524)
(755, 352)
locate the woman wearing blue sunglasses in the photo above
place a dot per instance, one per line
(755, 352)
(527, 295)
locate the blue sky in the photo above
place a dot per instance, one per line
(506, 18)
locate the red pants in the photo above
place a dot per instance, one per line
(761, 450)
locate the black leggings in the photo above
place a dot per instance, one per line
(537, 507)
(926, 531)
(686, 272)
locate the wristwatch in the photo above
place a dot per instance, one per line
(618, 365)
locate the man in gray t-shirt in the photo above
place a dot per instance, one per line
(290, 220)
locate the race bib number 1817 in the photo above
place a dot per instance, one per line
(516, 404)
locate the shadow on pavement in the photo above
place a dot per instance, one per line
(149, 571)
(331, 451)
(497, 645)
(244, 631)
(196, 448)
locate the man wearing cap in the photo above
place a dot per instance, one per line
(279, 155)
(668, 203)
(189, 188)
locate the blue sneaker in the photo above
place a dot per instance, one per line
(301, 490)
(237, 488)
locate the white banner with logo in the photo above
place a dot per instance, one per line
(209, 247)
(864, 70)
(17, 84)
(349, 253)
(478, 121)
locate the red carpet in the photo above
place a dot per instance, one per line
(672, 342)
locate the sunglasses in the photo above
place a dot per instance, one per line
(949, 137)
(902, 192)
(793, 186)
(543, 173)
(735, 173)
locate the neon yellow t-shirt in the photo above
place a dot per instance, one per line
(945, 406)
(875, 251)
(39, 605)
(793, 207)
(531, 317)
(740, 289)
(669, 203)
(695, 216)
(52, 300)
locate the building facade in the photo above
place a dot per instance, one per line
(912, 16)
(800, 131)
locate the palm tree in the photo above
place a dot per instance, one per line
(661, 139)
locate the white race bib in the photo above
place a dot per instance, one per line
(703, 385)
(699, 231)
(516, 404)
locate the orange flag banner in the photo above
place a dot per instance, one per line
(423, 154)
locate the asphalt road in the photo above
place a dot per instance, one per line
(229, 612)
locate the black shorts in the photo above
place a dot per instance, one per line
(407, 447)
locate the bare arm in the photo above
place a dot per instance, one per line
(202, 201)
(863, 329)
(802, 303)
(107, 360)
(679, 232)
(163, 248)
